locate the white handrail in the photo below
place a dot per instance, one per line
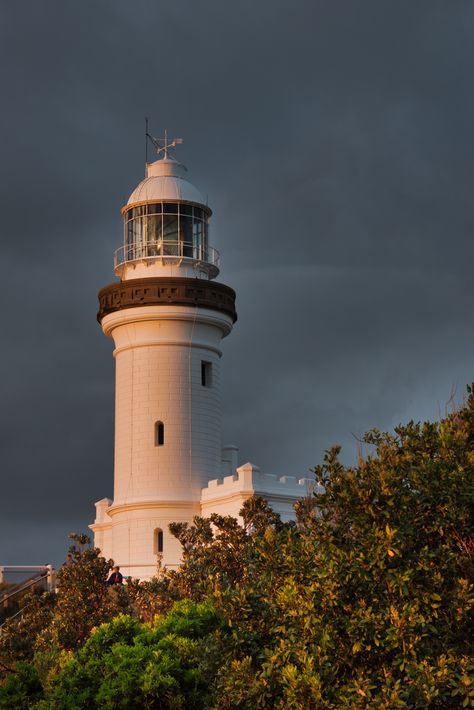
(166, 249)
(22, 587)
(48, 571)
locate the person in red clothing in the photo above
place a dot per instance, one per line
(115, 577)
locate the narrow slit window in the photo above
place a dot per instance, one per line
(159, 434)
(206, 373)
(158, 541)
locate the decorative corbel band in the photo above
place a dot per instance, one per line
(166, 291)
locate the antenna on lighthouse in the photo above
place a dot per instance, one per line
(163, 145)
(146, 140)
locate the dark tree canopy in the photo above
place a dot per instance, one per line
(365, 602)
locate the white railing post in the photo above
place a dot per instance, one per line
(51, 578)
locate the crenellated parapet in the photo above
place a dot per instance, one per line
(226, 495)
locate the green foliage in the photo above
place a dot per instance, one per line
(369, 603)
(83, 598)
(217, 550)
(126, 664)
(19, 634)
(366, 602)
(52, 622)
(22, 688)
(154, 596)
(210, 557)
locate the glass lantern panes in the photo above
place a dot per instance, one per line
(166, 229)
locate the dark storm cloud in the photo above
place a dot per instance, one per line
(334, 140)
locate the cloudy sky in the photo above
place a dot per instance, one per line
(335, 142)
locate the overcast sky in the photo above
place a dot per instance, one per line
(335, 143)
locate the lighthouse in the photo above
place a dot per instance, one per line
(167, 317)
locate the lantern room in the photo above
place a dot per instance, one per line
(166, 227)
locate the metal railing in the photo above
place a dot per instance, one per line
(164, 249)
(45, 580)
(19, 588)
(45, 573)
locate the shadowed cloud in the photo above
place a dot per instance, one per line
(334, 141)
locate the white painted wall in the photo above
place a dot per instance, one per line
(226, 495)
(158, 355)
(159, 350)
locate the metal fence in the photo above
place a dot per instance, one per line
(166, 249)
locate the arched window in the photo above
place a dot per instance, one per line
(159, 433)
(158, 541)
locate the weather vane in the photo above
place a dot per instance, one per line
(162, 145)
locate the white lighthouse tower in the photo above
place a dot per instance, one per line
(167, 317)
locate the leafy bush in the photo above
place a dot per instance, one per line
(22, 688)
(127, 664)
(369, 602)
(365, 602)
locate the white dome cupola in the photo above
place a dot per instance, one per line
(166, 226)
(166, 180)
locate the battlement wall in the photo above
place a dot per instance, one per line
(226, 495)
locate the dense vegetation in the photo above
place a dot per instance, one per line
(365, 602)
